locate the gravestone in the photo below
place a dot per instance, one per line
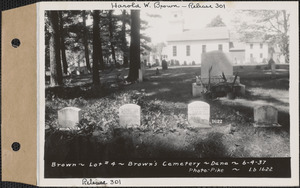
(242, 89)
(273, 68)
(266, 116)
(69, 117)
(140, 75)
(218, 62)
(130, 115)
(143, 69)
(197, 90)
(199, 114)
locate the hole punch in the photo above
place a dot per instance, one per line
(16, 146)
(15, 43)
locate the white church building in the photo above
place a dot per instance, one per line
(187, 46)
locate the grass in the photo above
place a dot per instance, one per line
(164, 130)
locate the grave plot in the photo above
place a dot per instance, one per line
(217, 78)
(161, 118)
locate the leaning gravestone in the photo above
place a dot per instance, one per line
(265, 116)
(130, 115)
(69, 117)
(199, 114)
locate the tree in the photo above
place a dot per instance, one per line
(111, 36)
(124, 41)
(85, 41)
(56, 78)
(62, 43)
(216, 22)
(97, 49)
(135, 50)
(271, 26)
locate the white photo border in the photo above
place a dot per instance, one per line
(202, 181)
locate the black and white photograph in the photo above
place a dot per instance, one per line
(166, 90)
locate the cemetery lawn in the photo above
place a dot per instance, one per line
(164, 131)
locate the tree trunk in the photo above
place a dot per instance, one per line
(124, 42)
(85, 42)
(62, 43)
(111, 37)
(56, 78)
(134, 46)
(96, 47)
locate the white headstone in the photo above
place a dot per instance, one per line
(199, 114)
(140, 75)
(218, 61)
(265, 116)
(130, 115)
(69, 117)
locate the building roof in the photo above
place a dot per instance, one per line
(209, 33)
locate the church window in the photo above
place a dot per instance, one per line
(188, 50)
(220, 47)
(174, 51)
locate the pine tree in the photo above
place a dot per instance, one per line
(56, 78)
(135, 50)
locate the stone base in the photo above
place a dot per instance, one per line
(265, 125)
(197, 90)
(68, 129)
(215, 79)
(199, 125)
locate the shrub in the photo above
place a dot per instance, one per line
(257, 67)
(184, 63)
(177, 62)
(193, 63)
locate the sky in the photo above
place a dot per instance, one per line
(160, 28)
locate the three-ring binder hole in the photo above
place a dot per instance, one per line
(15, 43)
(16, 146)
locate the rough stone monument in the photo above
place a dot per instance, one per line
(217, 71)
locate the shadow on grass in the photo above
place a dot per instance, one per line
(212, 146)
(267, 83)
(61, 148)
(254, 97)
